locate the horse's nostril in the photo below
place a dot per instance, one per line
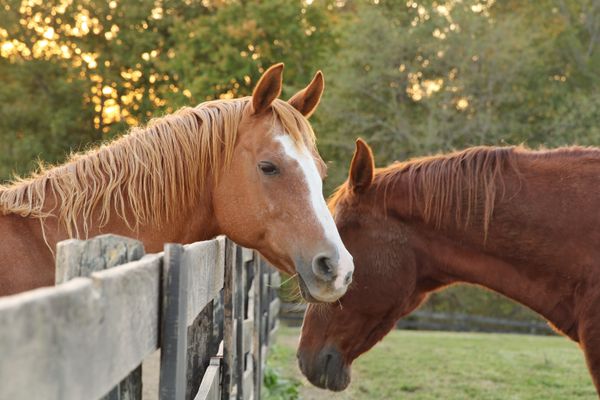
(324, 268)
(328, 358)
(348, 278)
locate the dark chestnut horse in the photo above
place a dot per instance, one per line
(522, 223)
(247, 168)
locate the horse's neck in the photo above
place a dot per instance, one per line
(540, 287)
(529, 253)
(189, 224)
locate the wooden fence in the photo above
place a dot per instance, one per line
(210, 307)
(293, 314)
(438, 321)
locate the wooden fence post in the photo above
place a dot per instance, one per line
(238, 315)
(203, 344)
(80, 258)
(258, 324)
(228, 321)
(264, 308)
(173, 355)
(274, 304)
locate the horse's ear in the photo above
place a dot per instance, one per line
(307, 100)
(267, 89)
(362, 167)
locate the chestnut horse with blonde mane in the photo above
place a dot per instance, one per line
(523, 223)
(247, 168)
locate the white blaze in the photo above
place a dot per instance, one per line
(315, 186)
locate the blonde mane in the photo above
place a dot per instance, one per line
(145, 175)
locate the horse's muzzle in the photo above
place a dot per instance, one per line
(315, 289)
(326, 369)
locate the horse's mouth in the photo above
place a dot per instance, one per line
(305, 292)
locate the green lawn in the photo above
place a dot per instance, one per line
(444, 365)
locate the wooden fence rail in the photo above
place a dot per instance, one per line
(293, 314)
(210, 307)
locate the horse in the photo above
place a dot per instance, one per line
(247, 168)
(522, 223)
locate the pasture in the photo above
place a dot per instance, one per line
(447, 365)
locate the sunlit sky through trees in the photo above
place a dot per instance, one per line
(77, 32)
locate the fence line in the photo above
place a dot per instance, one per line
(426, 320)
(467, 323)
(211, 307)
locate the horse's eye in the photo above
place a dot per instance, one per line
(268, 168)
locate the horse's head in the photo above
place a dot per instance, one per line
(271, 198)
(384, 287)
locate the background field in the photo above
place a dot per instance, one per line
(443, 365)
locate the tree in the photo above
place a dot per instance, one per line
(428, 76)
(84, 71)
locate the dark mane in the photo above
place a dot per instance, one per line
(467, 182)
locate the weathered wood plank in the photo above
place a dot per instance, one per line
(108, 321)
(228, 321)
(210, 388)
(238, 314)
(273, 332)
(202, 345)
(257, 339)
(267, 279)
(274, 309)
(247, 254)
(248, 334)
(173, 355)
(264, 351)
(248, 383)
(218, 317)
(205, 262)
(130, 388)
(79, 258)
(275, 280)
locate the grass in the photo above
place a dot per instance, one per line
(445, 365)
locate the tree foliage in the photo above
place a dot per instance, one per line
(428, 76)
(75, 72)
